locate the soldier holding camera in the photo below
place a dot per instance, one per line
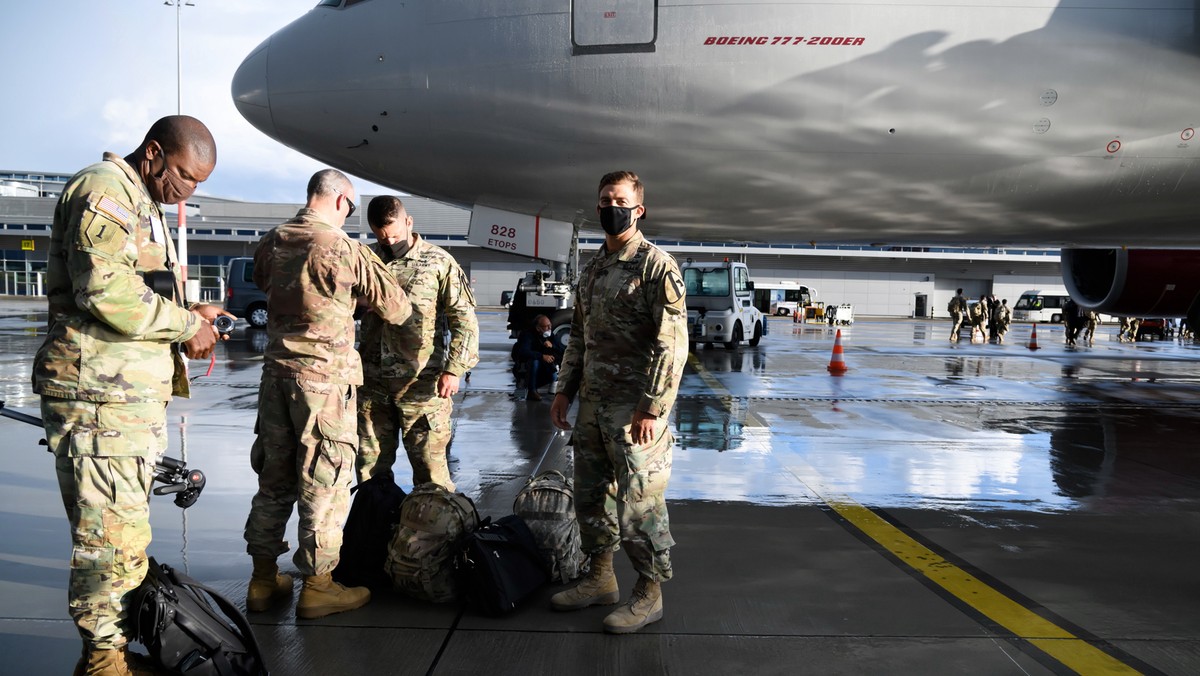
(108, 366)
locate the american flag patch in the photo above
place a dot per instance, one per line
(111, 208)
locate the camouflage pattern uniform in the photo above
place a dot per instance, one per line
(627, 351)
(312, 273)
(957, 308)
(105, 373)
(402, 363)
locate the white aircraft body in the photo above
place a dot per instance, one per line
(1065, 123)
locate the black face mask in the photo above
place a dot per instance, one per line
(616, 220)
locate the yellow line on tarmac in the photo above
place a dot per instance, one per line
(752, 419)
(1072, 651)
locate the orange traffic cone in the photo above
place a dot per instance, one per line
(1033, 338)
(837, 364)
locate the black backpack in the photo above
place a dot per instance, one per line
(190, 629)
(368, 532)
(500, 566)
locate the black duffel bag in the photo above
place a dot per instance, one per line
(500, 565)
(191, 630)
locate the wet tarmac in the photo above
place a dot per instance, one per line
(943, 508)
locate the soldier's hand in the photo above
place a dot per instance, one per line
(641, 429)
(200, 346)
(210, 314)
(558, 411)
(447, 385)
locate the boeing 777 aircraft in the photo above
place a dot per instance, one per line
(1068, 122)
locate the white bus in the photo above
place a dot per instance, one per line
(1037, 305)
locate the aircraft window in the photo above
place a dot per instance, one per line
(353, 2)
(329, 3)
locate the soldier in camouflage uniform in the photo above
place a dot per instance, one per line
(409, 372)
(312, 274)
(107, 367)
(625, 360)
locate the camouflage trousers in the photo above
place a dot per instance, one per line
(104, 455)
(304, 454)
(423, 424)
(620, 488)
(958, 322)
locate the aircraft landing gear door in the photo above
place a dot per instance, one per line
(613, 26)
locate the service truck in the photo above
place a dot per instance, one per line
(720, 304)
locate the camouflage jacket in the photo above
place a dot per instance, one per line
(629, 333)
(109, 336)
(312, 274)
(401, 354)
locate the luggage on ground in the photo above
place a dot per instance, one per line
(190, 629)
(547, 506)
(433, 525)
(368, 533)
(500, 566)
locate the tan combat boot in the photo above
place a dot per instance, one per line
(267, 585)
(597, 588)
(644, 606)
(114, 662)
(322, 596)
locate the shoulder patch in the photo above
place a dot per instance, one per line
(673, 288)
(112, 209)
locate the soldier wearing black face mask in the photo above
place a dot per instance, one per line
(624, 361)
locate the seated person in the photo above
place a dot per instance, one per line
(537, 356)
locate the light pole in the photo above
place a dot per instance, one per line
(181, 218)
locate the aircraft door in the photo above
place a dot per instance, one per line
(613, 26)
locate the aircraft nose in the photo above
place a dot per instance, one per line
(250, 93)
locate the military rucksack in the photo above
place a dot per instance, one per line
(547, 505)
(368, 532)
(953, 306)
(432, 528)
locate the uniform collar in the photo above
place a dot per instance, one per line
(132, 175)
(628, 250)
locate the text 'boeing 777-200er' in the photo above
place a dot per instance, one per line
(1065, 123)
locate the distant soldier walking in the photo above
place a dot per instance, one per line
(107, 367)
(410, 372)
(957, 309)
(625, 359)
(1003, 319)
(305, 449)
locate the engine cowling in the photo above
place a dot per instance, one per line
(1135, 282)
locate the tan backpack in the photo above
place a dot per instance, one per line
(433, 525)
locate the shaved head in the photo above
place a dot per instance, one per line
(184, 134)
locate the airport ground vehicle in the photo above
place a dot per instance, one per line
(538, 294)
(1037, 305)
(783, 298)
(720, 304)
(1156, 327)
(242, 296)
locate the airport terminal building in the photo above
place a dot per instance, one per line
(876, 280)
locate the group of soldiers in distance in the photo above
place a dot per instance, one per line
(988, 318)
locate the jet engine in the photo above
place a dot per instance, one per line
(1135, 282)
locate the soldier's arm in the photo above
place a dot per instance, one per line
(668, 348)
(379, 287)
(262, 261)
(458, 305)
(102, 260)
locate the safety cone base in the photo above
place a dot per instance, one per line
(837, 363)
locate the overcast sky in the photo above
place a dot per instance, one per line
(85, 76)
